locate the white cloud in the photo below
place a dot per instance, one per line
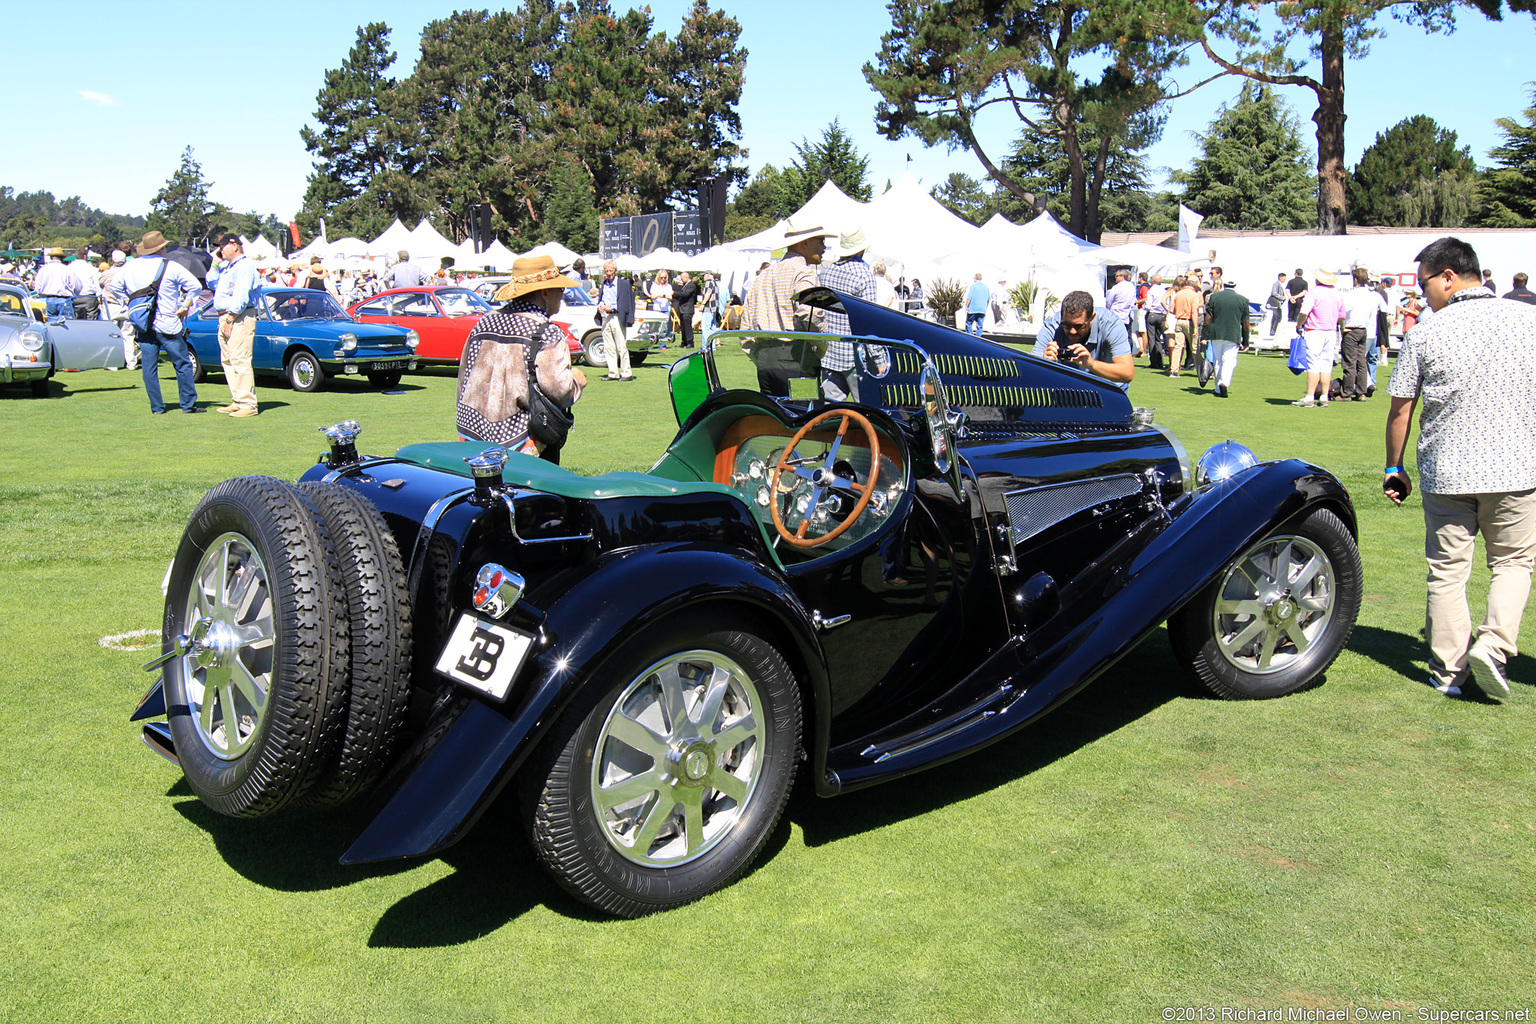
(98, 97)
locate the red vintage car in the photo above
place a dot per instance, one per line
(443, 315)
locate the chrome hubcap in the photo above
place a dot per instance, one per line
(678, 759)
(1274, 604)
(228, 672)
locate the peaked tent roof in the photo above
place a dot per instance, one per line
(909, 225)
(426, 243)
(395, 237)
(258, 248)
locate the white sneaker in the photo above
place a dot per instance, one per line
(1447, 689)
(1487, 672)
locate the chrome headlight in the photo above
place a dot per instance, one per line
(33, 338)
(1222, 461)
(412, 339)
(346, 343)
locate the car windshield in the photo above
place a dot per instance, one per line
(13, 302)
(461, 302)
(302, 304)
(579, 297)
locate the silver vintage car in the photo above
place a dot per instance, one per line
(34, 348)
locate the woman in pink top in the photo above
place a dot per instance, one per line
(1321, 313)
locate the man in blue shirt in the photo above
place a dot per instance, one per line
(235, 296)
(1077, 334)
(976, 302)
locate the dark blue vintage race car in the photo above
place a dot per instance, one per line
(642, 662)
(305, 335)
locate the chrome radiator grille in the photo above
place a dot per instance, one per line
(1032, 510)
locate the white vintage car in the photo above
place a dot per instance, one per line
(34, 348)
(578, 312)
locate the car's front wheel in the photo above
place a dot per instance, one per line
(199, 371)
(661, 784)
(305, 372)
(594, 353)
(1278, 615)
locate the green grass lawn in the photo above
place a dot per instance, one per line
(1365, 844)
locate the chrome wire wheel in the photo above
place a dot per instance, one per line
(1274, 604)
(678, 758)
(229, 675)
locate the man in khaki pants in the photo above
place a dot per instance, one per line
(235, 297)
(1473, 367)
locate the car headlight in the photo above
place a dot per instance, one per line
(1222, 461)
(346, 343)
(33, 338)
(412, 339)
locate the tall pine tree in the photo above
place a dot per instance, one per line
(830, 158)
(351, 146)
(1252, 171)
(1509, 191)
(181, 210)
(1413, 158)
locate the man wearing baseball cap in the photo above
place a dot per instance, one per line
(235, 297)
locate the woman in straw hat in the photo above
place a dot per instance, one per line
(505, 347)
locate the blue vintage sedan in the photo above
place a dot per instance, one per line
(306, 336)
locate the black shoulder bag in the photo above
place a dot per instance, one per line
(548, 423)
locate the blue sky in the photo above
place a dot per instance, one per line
(106, 112)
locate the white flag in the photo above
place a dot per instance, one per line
(1189, 227)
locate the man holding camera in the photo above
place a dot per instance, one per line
(1077, 333)
(1473, 364)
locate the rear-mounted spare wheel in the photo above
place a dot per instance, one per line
(257, 706)
(379, 610)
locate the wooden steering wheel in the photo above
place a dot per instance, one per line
(824, 478)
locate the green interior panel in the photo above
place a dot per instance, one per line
(530, 471)
(688, 380)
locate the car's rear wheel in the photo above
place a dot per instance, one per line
(379, 611)
(385, 378)
(199, 371)
(305, 372)
(636, 358)
(594, 353)
(257, 704)
(662, 782)
(1278, 615)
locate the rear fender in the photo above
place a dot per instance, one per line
(471, 748)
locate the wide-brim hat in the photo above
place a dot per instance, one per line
(851, 242)
(533, 274)
(151, 243)
(1324, 277)
(56, 251)
(800, 232)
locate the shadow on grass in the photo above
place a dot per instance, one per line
(496, 877)
(1405, 655)
(291, 851)
(1138, 684)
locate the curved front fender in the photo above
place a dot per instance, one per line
(470, 749)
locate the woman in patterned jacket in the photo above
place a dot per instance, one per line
(504, 348)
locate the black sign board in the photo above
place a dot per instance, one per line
(615, 237)
(649, 232)
(688, 233)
